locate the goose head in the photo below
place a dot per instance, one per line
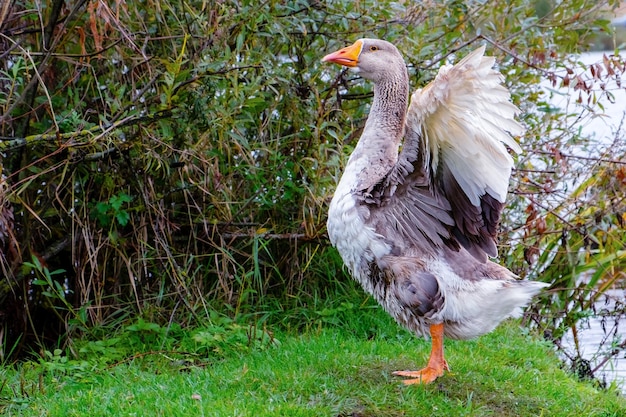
(373, 59)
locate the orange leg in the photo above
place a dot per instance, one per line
(436, 363)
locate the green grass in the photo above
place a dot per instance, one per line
(327, 371)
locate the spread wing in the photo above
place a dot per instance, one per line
(450, 182)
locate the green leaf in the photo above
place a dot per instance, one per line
(122, 218)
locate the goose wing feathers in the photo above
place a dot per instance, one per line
(451, 178)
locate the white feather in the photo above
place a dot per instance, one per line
(466, 117)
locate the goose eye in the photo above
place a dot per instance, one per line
(373, 48)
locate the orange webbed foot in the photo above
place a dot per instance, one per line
(436, 363)
(423, 376)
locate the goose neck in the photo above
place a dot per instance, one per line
(389, 107)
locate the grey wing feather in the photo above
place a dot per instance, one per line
(404, 204)
(449, 184)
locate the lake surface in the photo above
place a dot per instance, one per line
(595, 338)
(595, 335)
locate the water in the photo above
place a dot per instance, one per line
(606, 122)
(595, 336)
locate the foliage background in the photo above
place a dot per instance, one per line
(163, 158)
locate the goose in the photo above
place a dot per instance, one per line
(415, 213)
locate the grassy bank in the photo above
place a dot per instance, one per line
(227, 369)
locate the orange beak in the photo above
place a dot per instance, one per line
(348, 56)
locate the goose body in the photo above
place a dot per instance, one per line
(415, 213)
